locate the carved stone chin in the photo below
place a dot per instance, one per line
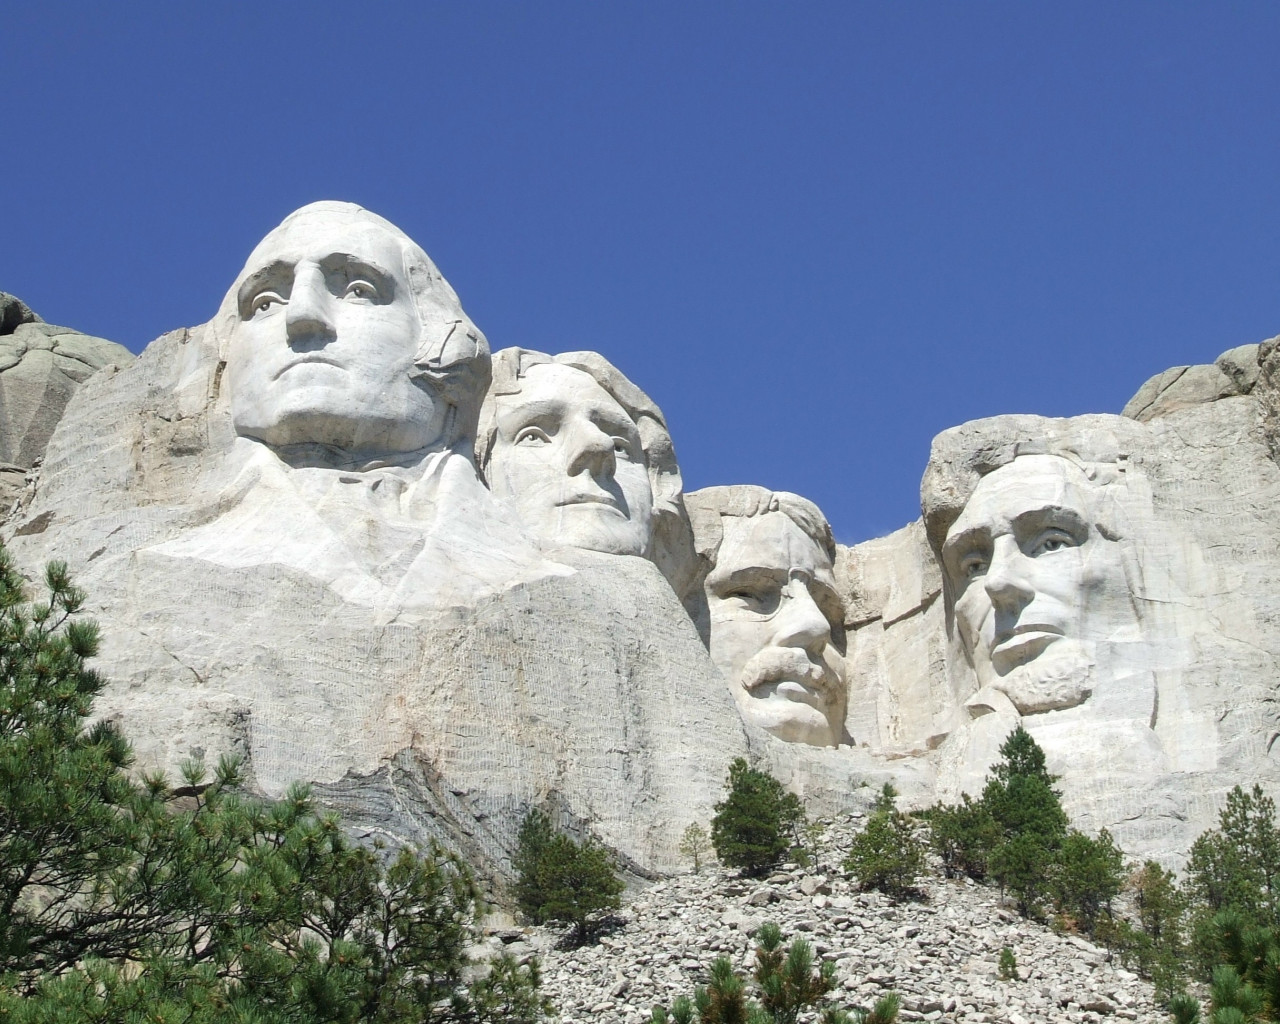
(1061, 676)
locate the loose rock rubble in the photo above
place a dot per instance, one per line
(940, 954)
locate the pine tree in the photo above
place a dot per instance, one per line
(789, 983)
(886, 854)
(559, 879)
(963, 835)
(1025, 806)
(695, 844)
(1158, 945)
(1086, 876)
(754, 825)
(1235, 867)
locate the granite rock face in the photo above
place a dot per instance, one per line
(1233, 373)
(345, 603)
(41, 367)
(328, 532)
(1102, 582)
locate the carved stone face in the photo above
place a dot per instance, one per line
(326, 339)
(772, 602)
(1036, 584)
(567, 456)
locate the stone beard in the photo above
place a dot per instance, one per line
(773, 613)
(568, 458)
(1037, 582)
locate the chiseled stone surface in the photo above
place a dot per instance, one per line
(770, 609)
(1151, 682)
(584, 458)
(330, 532)
(287, 567)
(901, 700)
(1104, 584)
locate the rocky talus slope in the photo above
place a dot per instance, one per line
(939, 954)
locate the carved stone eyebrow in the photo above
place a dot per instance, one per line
(1033, 521)
(975, 537)
(615, 422)
(358, 267)
(535, 413)
(829, 593)
(954, 548)
(746, 575)
(277, 275)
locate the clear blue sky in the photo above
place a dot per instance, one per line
(816, 234)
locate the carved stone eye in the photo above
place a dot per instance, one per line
(973, 566)
(532, 436)
(1053, 540)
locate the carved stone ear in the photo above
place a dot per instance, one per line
(455, 364)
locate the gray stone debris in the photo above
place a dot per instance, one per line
(939, 955)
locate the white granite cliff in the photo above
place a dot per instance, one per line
(331, 532)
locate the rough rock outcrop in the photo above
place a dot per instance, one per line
(41, 366)
(1268, 392)
(1232, 374)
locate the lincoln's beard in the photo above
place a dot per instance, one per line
(787, 693)
(1060, 677)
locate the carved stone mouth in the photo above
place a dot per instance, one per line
(303, 361)
(606, 500)
(1022, 644)
(791, 689)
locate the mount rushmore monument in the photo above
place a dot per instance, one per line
(332, 531)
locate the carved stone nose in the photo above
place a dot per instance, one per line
(307, 315)
(800, 622)
(591, 449)
(1006, 581)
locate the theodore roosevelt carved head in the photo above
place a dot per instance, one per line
(341, 333)
(774, 617)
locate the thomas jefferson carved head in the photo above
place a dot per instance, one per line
(581, 453)
(1038, 574)
(341, 333)
(775, 620)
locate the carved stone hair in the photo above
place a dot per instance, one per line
(960, 457)
(708, 506)
(453, 355)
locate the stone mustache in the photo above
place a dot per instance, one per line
(331, 532)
